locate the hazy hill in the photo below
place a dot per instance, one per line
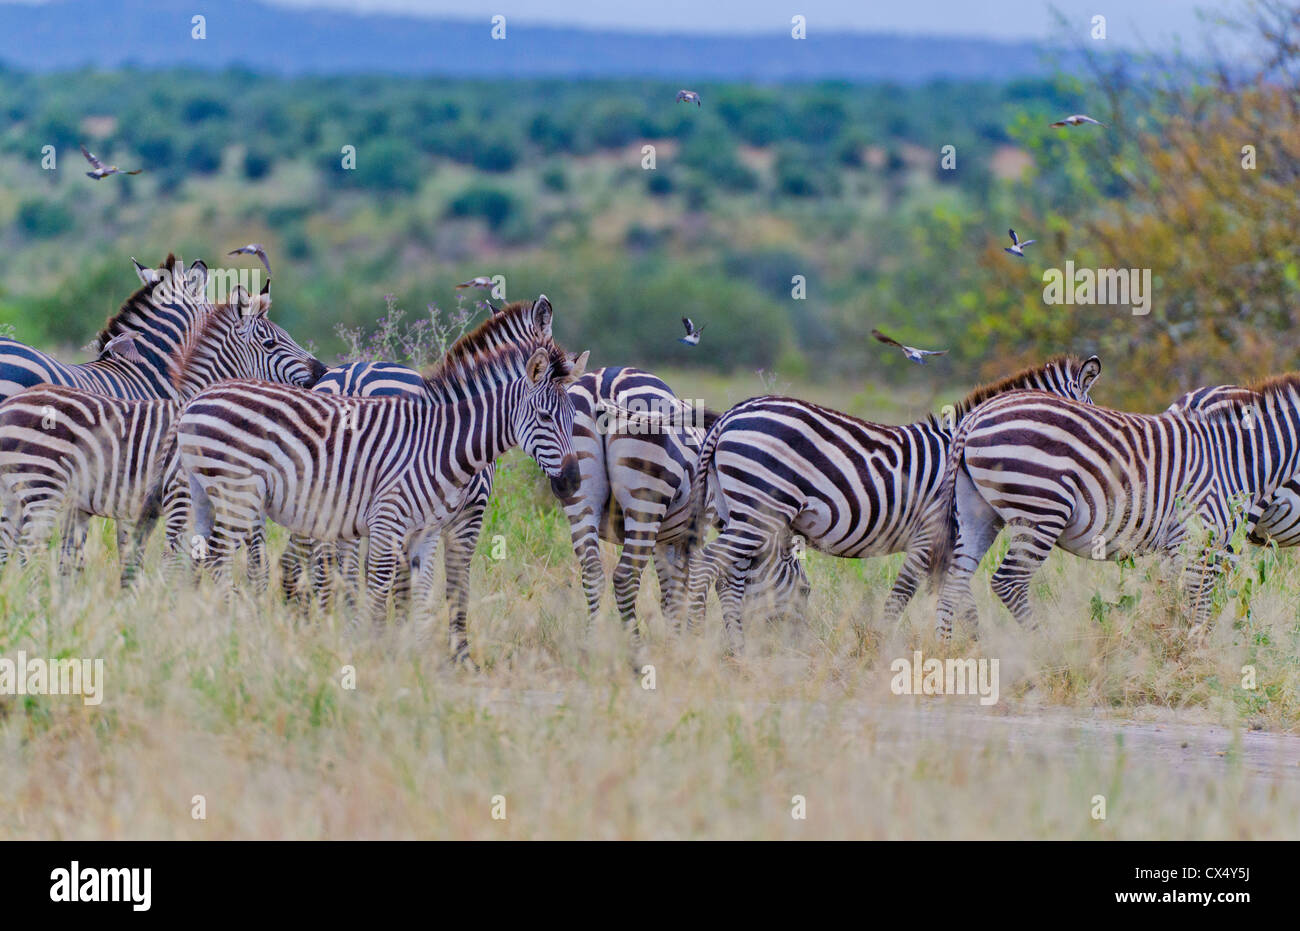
(107, 33)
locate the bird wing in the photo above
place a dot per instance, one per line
(1059, 123)
(933, 352)
(136, 172)
(1028, 242)
(94, 162)
(1014, 241)
(261, 254)
(686, 322)
(889, 340)
(124, 345)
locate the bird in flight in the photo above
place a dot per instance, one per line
(146, 274)
(689, 97)
(1017, 246)
(123, 344)
(1077, 119)
(912, 353)
(692, 337)
(102, 170)
(253, 248)
(482, 281)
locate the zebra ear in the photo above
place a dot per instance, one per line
(579, 366)
(537, 364)
(1091, 369)
(197, 276)
(542, 314)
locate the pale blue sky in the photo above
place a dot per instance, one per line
(1130, 22)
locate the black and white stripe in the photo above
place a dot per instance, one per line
(637, 445)
(343, 557)
(66, 450)
(773, 467)
(1108, 484)
(390, 469)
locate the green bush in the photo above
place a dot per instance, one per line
(43, 219)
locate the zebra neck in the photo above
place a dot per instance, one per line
(472, 433)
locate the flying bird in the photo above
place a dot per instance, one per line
(1017, 246)
(102, 170)
(123, 344)
(146, 274)
(689, 97)
(692, 337)
(912, 353)
(253, 248)
(1078, 119)
(482, 281)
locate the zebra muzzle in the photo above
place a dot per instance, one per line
(565, 485)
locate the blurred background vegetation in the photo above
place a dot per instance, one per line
(542, 181)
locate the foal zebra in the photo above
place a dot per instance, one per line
(778, 466)
(1107, 484)
(459, 535)
(391, 469)
(90, 454)
(637, 445)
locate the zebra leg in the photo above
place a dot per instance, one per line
(460, 540)
(349, 570)
(382, 556)
(39, 518)
(731, 593)
(72, 546)
(322, 558)
(1199, 579)
(293, 560)
(915, 564)
(670, 569)
(627, 582)
(259, 572)
(1030, 546)
(722, 559)
(402, 586)
(123, 542)
(977, 526)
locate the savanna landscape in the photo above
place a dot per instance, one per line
(792, 219)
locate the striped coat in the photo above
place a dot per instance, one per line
(390, 469)
(1108, 485)
(778, 467)
(77, 453)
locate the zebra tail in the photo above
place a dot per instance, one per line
(943, 532)
(699, 503)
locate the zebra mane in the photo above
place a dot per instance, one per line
(137, 306)
(1029, 377)
(1275, 386)
(504, 340)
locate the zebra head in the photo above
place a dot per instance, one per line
(544, 417)
(264, 349)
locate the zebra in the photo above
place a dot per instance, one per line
(392, 469)
(66, 449)
(459, 536)
(1279, 521)
(637, 444)
(776, 466)
(1110, 485)
(160, 317)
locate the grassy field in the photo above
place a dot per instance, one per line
(245, 704)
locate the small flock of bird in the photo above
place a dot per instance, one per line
(484, 282)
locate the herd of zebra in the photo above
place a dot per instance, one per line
(211, 418)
